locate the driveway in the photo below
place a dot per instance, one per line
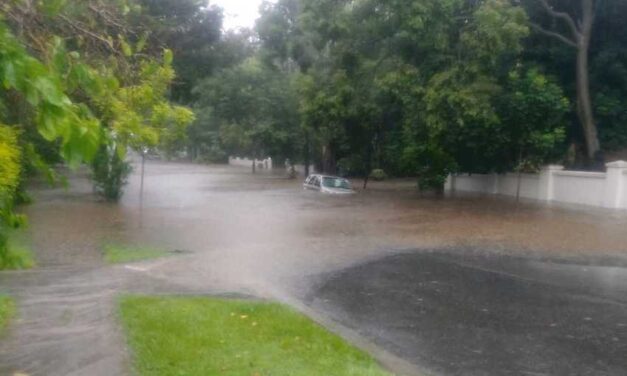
(264, 236)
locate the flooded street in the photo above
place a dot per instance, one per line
(463, 285)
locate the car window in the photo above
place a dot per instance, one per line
(316, 181)
(332, 182)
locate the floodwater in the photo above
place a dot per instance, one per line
(262, 235)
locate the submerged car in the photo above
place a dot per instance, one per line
(328, 184)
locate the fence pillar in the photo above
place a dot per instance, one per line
(494, 184)
(545, 186)
(450, 184)
(614, 184)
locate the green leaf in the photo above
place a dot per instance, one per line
(126, 48)
(53, 7)
(168, 57)
(50, 92)
(141, 43)
(9, 78)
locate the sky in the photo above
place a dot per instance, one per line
(239, 13)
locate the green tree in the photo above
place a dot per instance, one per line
(35, 89)
(395, 84)
(89, 70)
(607, 44)
(192, 31)
(579, 36)
(139, 117)
(252, 109)
(9, 180)
(532, 112)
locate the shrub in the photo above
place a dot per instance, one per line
(10, 170)
(14, 256)
(378, 175)
(212, 154)
(110, 173)
(7, 310)
(432, 180)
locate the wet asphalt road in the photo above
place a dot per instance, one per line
(477, 295)
(454, 316)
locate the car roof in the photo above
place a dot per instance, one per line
(326, 176)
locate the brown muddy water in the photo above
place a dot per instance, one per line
(262, 235)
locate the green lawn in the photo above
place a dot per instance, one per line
(19, 255)
(201, 336)
(117, 254)
(7, 308)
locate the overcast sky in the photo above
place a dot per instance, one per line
(239, 13)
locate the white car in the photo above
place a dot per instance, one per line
(328, 184)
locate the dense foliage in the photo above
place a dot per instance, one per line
(34, 96)
(79, 81)
(9, 179)
(411, 88)
(422, 88)
(254, 108)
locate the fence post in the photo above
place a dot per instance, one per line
(449, 185)
(494, 189)
(546, 190)
(614, 184)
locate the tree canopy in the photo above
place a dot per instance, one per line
(410, 87)
(415, 88)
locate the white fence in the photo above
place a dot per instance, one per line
(300, 169)
(265, 164)
(553, 183)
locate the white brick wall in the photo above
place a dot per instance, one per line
(553, 183)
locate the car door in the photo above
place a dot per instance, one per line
(309, 182)
(316, 183)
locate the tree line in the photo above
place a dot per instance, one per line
(422, 88)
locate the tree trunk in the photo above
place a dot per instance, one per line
(141, 190)
(254, 166)
(584, 101)
(292, 172)
(518, 184)
(368, 164)
(581, 30)
(141, 184)
(329, 165)
(519, 177)
(307, 154)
